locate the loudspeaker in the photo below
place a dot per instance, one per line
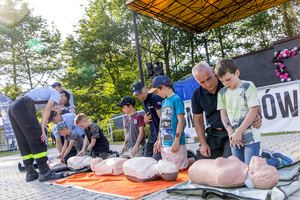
(158, 67)
(149, 68)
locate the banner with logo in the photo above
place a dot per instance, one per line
(280, 107)
(5, 102)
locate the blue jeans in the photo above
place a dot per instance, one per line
(245, 153)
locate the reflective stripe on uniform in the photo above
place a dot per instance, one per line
(40, 155)
(29, 156)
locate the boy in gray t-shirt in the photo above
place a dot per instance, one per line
(71, 137)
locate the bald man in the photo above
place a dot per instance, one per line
(216, 143)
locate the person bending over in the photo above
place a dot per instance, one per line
(98, 144)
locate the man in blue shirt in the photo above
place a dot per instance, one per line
(55, 118)
(65, 109)
(152, 107)
(30, 134)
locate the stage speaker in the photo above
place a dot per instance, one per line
(158, 68)
(149, 68)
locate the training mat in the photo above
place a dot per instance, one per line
(119, 185)
(288, 184)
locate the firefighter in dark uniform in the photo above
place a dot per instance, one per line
(30, 134)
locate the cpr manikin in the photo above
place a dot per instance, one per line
(231, 172)
(79, 162)
(144, 169)
(110, 166)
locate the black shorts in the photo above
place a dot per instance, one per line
(219, 144)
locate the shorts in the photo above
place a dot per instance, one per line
(127, 154)
(102, 155)
(179, 158)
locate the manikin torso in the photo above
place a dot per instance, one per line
(221, 172)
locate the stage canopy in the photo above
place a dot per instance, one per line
(199, 16)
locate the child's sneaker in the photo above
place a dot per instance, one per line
(282, 162)
(278, 154)
(266, 154)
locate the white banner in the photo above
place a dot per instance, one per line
(279, 105)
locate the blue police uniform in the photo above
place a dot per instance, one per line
(151, 104)
(71, 101)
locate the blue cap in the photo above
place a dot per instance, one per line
(159, 81)
(61, 125)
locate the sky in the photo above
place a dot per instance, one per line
(64, 13)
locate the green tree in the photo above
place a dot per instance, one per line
(29, 50)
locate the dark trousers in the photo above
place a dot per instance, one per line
(219, 144)
(73, 152)
(27, 129)
(148, 152)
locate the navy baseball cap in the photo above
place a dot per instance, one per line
(136, 88)
(61, 125)
(126, 101)
(68, 97)
(52, 115)
(159, 81)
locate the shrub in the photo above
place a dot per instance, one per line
(118, 135)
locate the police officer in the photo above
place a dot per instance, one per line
(152, 107)
(30, 134)
(65, 109)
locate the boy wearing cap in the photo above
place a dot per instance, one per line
(171, 142)
(92, 134)
(65, 109)
(135, 138)
(69, 118)
(71, 137)
(152, 107)
(30, 134)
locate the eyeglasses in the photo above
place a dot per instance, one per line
(54, 85)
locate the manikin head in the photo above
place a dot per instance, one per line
(263, 176)
(205, 76)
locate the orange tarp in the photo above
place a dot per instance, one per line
(199, 16)
(120, 185)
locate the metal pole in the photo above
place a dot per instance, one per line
(108, 128)
(112, 139)
(137, 44)
(124, 127)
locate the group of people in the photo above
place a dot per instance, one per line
(230, 105)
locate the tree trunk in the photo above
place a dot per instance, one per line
(288, 26)
(13, 58)
(221, 42)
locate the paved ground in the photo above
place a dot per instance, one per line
(14, 186)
